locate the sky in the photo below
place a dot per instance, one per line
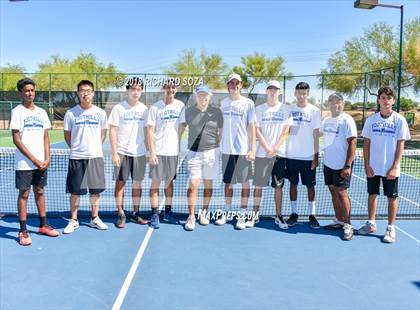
(148, 36)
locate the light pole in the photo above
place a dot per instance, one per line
(370, 4)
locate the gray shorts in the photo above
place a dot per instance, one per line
(165, 170)
(86, 175)
(269, 168)
(130, 166)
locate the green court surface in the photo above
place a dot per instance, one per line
(6, 137)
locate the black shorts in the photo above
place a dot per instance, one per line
(269, 167)
(296, 167)
(130, 166)
(333, 177)
(25, 178)
(236, 169)
(85, 175)
(390, 186)
(165, 170)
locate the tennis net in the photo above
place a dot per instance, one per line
(57, 202)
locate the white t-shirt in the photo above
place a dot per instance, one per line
(31, 125)
(86, 127)
(237, 115)
(271, 120)
(336, 131)
(300, 144)
(166, 118)
(130, 121)
(384, 134)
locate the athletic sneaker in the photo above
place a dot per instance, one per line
(49, 231)
(71, 226)
(154, 221)
(250, 223)
(390, 234)
(240, 223)
(24, 238)
(281, 222)
(190, 224)
(135, 218)
(335, 225)
(203, 218)
(98, 224)
(121, 220)
(221, 220)
(368, 228)
(170, 218)
(347, 232)
(313, 222)
(292, 220)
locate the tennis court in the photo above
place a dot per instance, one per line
(212, 267)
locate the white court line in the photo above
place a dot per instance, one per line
(407, 234)
(134, 266)
(399, 196)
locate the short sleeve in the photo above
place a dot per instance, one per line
(114, 117)
(258, 116)
(366, 132)
(145, 117)
(182, 115)
(47, 123)
(219, 118)
(151, 117)
(104, 121)
(317, 119)
(68, 121)
(404, 131)
(351, 130)
(15, 120)
(251, 112)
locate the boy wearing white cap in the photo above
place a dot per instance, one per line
(205, 124)
(272, 130)
(238, 146)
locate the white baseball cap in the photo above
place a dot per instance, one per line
(273, 83)
(234, 76)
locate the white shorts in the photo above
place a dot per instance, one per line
(204, 165)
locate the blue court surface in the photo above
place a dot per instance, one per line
(210, 268)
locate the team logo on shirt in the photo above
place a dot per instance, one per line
(301, 117)
(133, 117)
(331, 128)
(87, 120)
(383, 128)
(273, 117)
(169, 115)
(33, 122)
(235, 112)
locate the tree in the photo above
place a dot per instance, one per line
(412, 53)
(377, 49)
(64, 74)
(257, 68)
(210, 68)
(10, 74)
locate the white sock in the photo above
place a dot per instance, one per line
(392, 227)
(372, 222)
(312, 207)
(293, 204)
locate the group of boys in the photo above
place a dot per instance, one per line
(288, 148)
